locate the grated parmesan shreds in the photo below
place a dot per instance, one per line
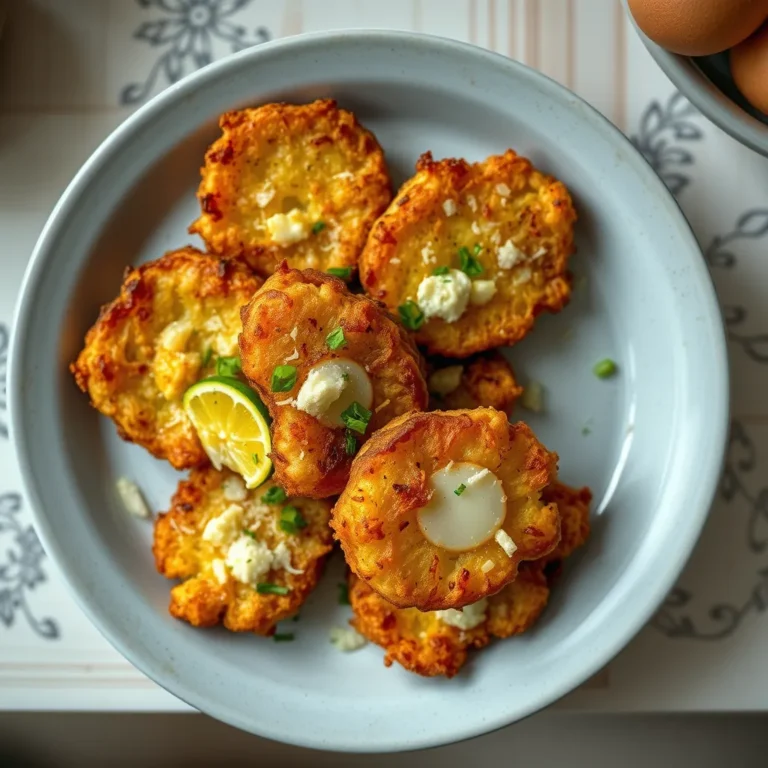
(504, 540)
(487, 566)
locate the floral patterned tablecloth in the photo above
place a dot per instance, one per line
(71, 71)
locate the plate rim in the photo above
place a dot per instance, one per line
(665, 578)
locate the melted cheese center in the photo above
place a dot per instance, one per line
(331, 387)
(461, 522)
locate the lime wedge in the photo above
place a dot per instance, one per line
(233, 426)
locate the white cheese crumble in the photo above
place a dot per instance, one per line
(476, 228)
(482, 292)
(470, 617)
(487, 566)
(539, 253)
(347, 639)
(344, 175)
(281, 558)
(294, 333)
(224, 528)
(394, 261)
(219, 568)
(287, 401)
(472, 203)
(322, 387)
(264, 197)
(503, 189)
(509, 255)
(478, 476)
(294, 356)
(234, 488)
(132, 498)
(446, 380)
(288, 228)
(249, 559)
(427, 254)
(444, 296)
(449, 206)
(504, 540)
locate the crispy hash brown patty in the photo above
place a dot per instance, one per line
(288, 323)
(173, 318)
(226, 543)
(499, 233)
(424, 643)
(298, 182)
(486, 380)
(376, 517)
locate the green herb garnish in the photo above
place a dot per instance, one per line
(460, 489)
(275, 495)
(336, 338)
(604, 368)
(318, 227)
(255, 457)
(343, 272)
(291, 520)
(356, 417)
(350, 443)
(411, 315)
(470, 266)
(344, 595)
(283, 378)
(207, 355)
(283, 637)
(228, 366)
(249, 534)
(477, 249)
(265, 588)
(440, 271)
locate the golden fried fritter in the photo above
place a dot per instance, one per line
(173, 317)
(487, 380)
(573, 504)
(224, 541)
(298, 182)
(423, 643)
(499, 233)
(287, 323)
(377, 517)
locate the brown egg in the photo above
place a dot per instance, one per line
(749, 68)
(698, 27)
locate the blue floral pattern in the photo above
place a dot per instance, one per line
(186, 32)
(21, 569)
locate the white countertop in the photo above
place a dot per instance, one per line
(71, 71)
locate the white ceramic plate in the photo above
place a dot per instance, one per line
(656, 431)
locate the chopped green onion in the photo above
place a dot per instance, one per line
(264, 588)
(318, 227)
(356, 417)
(411, 315)
(336, 338)
(440, 271)
(460, 489)
(345, 376)
(250, 534)
(283, 378)
(350, 443)
(604, 368)
(283, 637)
(470, 266)
(207, 355)
(228, 366)
(344, 595)
(291, 520)
(275, 495)
(477, 249)
(343, 272)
